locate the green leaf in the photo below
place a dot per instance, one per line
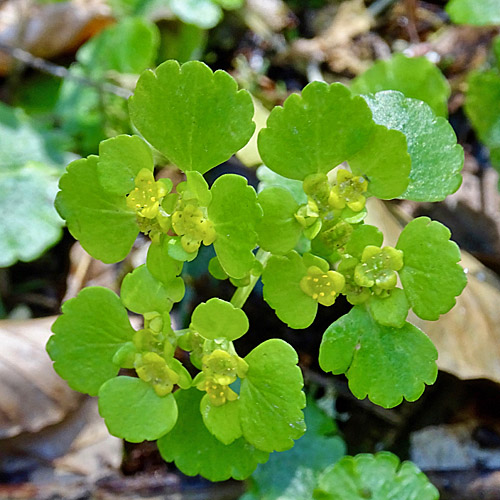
(133, 411)
(381, 362)
(479, 13)
(202, 453)
(293, 474)
(481, 107)
(218, 319)
(362, 236)
(390, 311)
(431, 275)
(202, 13)
(281, 279)
(235, 213)
(384, 162)
(163, 267)
(268, 178)
(315, 132)
(198, 187)
(271, 397)
(415, 77)
(436, 158)
(222, 421)
(177, 252)
(196, 118)
(379, 477)
(30, 223)
(92, 328)
(120, 160)
(130, 46)
(141, 292)
(278, 229)
(102, 222)
(22, 141)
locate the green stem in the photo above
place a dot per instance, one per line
(241, 294)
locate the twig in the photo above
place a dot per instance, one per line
(60, 71)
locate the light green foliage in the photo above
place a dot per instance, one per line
(279, 231)
(384, 161)
(271, 397)
(378, 477)
(130, 46)
(415, 77)
(282, 291)
(196, 118)
(203, 13)
(293, 474)
(481, 107)
(381, 362)
(29, 224)
(94, 325)
(431, 275)
(314, 132)
(202, 453)
(218, 319)
(29, 168)
(102, 222)
(120, 160)
(479, 13)
(436, 158)
(123, 403)
(235, 214)
(305, 237)
(141, 292)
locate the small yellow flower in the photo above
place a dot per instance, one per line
(147, 195)
(193, 226)
(348, 190)
(153, 369)
(321, 286)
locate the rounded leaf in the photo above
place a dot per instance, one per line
(222, 421)
(235, 213)
(102, 222)
(93, 327)
(282, 291)
(384, 363)
(278, 229)
(415, 77)
(315, 132)
(120, 160)
(436, 158)
(133, 411)
(271, 397)
(217, 319)
(196, 118)
(379, 477)
(483, 13)
(196, 451)
(431, 275)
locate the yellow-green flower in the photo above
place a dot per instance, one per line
(321, 286)
(147, 195)
(153, 369)
(193, 226)
(378, 267)
(348, 190)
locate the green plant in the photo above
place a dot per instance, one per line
(304, 235)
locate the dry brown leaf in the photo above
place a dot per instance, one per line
(32, 395)
(467, 337)
(47, 30)
(335, 45)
